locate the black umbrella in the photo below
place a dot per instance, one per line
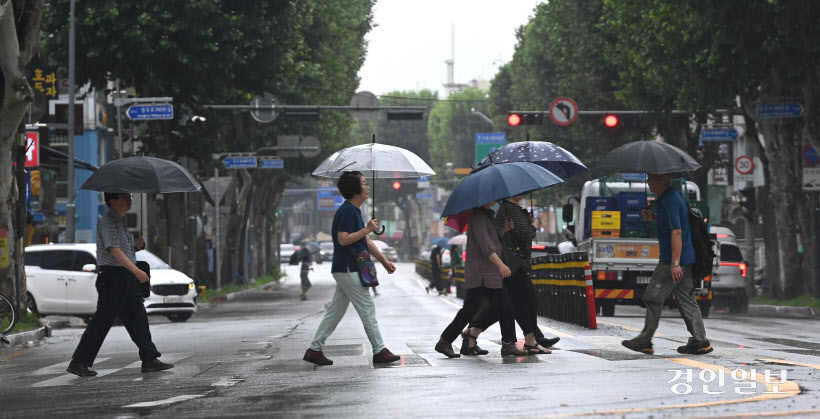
(552, 157)
(653, 157)
(141, 174)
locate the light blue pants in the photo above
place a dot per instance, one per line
(349, 290)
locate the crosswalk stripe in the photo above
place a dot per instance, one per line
(60, 368)
(172, 400)
(69, 379)
(168, 358)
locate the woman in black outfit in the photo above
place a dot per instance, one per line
(518, 285)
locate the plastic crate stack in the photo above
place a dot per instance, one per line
(596, 203)
(630, 204)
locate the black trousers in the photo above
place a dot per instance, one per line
(525, 306)
(501, 304)
(435, 280)
(118, 295)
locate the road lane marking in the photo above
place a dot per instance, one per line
(60, 367)
(18, 353)
(227, 382)
(782, 361)
(71, 379)
(167, 358)
(634, 329)
(172, 400)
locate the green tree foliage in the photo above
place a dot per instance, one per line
(222, 52)
(452, 127)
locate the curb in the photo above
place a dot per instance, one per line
(22, 338)
(244, 293)
(783, 312)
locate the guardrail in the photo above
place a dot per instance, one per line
(563, 287)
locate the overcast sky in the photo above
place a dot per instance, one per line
(412, 39)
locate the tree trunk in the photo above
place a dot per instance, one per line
(18, 37)
(267, 195)
(236, 220)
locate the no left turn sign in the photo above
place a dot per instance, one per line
(563, 111)
(744, 165)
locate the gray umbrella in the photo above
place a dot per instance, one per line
(141, 174)
(653, 157)
(312, 247)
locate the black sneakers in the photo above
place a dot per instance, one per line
(638, 347)
(77, 368)
(155, 365)
(696, 348)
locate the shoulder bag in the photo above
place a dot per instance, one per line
(364, 264)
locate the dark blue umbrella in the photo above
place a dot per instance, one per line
(554, 158)
(497, 181)
(440, 242)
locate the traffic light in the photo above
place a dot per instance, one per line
(748, 203)
(614, 122)
(516, 118)
(396, 185)
(611, 121)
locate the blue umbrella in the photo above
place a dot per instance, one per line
(440, 241)
(554, 158)
(498, 181)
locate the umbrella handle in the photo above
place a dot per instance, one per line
(380, 231)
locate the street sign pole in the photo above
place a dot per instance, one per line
(216, 230)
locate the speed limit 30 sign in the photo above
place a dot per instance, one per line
(745, 166)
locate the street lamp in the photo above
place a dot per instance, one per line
(482, 116)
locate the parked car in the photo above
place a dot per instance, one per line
(731, 283)
(327, 248)
(286, 251)
(61, 278)
(390, 253)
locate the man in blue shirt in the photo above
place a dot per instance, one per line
(673, 274)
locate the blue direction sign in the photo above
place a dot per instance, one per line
(149, 112)
(711, 134)
(779, 110)
(269, 163)
(328, 198)
(425, 195)
(240, 162)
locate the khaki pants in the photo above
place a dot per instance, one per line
(658, 291)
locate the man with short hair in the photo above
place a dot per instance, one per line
(118, 292)
(673, 274)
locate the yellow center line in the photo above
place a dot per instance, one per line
(18, 353)
(782, 361)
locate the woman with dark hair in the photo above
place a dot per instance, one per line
(484, 271)
(350, 236)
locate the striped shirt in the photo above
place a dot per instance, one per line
(112, 232)
(519, 239)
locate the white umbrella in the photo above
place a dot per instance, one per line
(459, 240)
(375, 161)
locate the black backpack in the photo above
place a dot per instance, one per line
(703, 245)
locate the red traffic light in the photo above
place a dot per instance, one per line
(396, 185)
(611, 121)
(514, 119)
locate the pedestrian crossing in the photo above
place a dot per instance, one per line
(418, 353)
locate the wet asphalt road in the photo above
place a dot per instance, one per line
(244, 359)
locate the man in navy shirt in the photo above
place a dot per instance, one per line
(673, 274)
(350, 236)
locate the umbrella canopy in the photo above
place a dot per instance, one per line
(653, 157)
(440, 241)
(312, 247)
(374, 161)
(141, 174)
(380, 244)
(554, 158)
(496, 182)
(459, 240)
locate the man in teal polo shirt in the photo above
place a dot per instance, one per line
(673, 274)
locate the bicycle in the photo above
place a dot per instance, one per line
(8, 317)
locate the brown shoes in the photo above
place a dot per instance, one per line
(446, 348)
(385, 356)
(316, 357)
(511, 348)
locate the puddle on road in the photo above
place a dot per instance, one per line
(611, 355)
(790, 342)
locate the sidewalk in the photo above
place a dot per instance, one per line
(787, 312)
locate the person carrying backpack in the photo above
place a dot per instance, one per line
(674, 271)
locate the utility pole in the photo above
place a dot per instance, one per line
(215, 246)
(70, 218)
